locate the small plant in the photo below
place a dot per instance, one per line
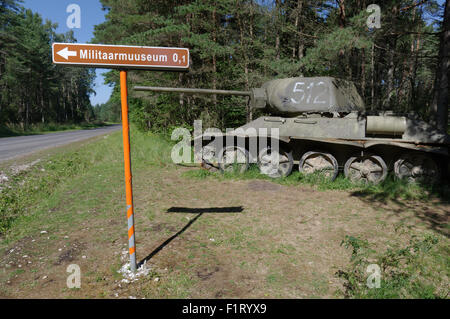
(360, 247)
(404, 271)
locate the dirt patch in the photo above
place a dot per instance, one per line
(263, 186)
(162, 226)
(71, 254)
(17, 169)
(205, 273)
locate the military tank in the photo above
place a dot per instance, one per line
(322, 127)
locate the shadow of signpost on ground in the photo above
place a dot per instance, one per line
(187, 210)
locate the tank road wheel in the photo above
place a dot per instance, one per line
(366, 168)
(416, 167)
(284, 167)
(233, 159)
(323, 163)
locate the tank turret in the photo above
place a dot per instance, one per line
(291, 96)
(298, 95)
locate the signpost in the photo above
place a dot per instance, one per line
(124, 58)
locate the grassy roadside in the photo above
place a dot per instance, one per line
(26, 190)
(16, 130)
(286, 241)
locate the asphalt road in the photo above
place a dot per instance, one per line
(12, 147)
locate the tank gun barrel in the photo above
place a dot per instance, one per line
(191, 91)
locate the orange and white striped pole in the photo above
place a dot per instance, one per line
(127, 162)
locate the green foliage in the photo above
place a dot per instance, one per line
(242, 44)
(359, 247)
(111, 110)
(416, 270)
(32, 89)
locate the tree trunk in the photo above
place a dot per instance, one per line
(363, 74)
(64, 103)
(372, 80)
(277, 37)
(42, 105)
(439, 105)
(181, 96)
(409, 73)
(299, 47)
(252, 18)
(390, 75)
(214, 59)
(341, 13)
(245, 61)
(27, 114)
(342, 25)
(413, 74)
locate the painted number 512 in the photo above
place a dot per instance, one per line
(317, 97)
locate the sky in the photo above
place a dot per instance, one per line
(91, 14)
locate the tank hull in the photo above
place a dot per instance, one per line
(389, 138)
